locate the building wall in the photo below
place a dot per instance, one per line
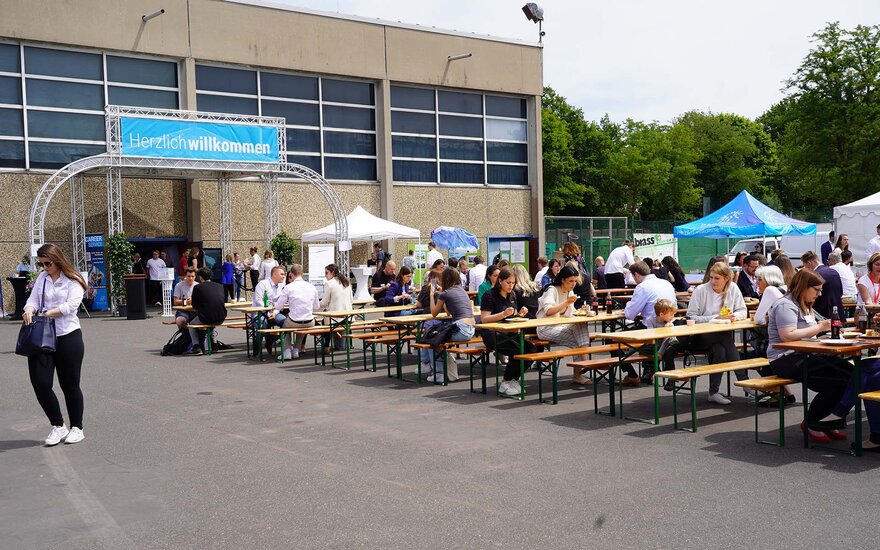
(238, 34)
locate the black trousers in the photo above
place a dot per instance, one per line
(615, 280)
(155, 292)
(828, 378)
(229, 292)
(511, 371)
(67, 360)
(722, 349)
(255, 278)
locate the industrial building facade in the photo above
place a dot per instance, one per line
(377, 108)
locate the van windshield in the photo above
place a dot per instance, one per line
(749, 247)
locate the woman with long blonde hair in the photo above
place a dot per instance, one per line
(58, 292)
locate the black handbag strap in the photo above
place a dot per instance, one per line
(43, 297)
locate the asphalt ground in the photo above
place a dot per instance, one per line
(222, 452)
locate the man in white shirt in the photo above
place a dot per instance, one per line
(254, 265)
(302, 300)
(433, 254)
(847, 279)
(182, 296)
(267, 293)
(544, 265)
(873, 246)
(155, 265)
(648, 290)
(617, 265)
(477, 274)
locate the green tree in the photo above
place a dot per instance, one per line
(829, 125)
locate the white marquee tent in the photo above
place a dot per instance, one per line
(859, 221)
(363, 226)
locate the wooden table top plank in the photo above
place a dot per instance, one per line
(816, 346)
(549, 321)
(364, 311)
(651, 334)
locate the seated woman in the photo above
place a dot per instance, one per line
(452, 299)
(870, 382)
(498, 304)
(337, 297)
(868, 287)
(488, 283)
(553, 268)
(558, 301)
(718, 299)
(675, 274)
(400, 292)
(771, 287)
(792, 319)
(527, 292)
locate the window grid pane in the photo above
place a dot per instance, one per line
(337, 168)
(133, 70)
(344, 91)
(286, 85)
(451, 172)
(63, 63)
(416, 171)
(138, 97)
(224, 79)
(10, 60)
(11, 123)
(10, 90)
(66, 95)
(11, 154)
(50, 124)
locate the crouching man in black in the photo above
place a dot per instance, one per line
(209, 302)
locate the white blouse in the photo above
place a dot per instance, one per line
(65, 294)
(552, 297)
(266, 268)
(336, 296)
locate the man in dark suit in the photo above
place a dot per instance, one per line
(209, 301)
(832, 290)
(827, 247)
(747, 282)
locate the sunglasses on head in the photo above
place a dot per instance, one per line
(44, 264)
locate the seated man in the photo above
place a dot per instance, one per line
(266, 294)
(302, 300)
(209, 302)
(182, 296)
(381, 281)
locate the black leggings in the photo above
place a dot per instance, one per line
(511, 372)
(722, 349)
(67, 360)
(829, 376)
(255, 278)
(229, 292)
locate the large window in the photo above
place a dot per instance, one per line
(52, 100)
(458, 137)
(331, 123)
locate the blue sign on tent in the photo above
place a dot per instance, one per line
(743, 217)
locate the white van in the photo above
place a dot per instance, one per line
(751, 246)
(796, 245)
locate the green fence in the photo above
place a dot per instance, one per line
(597, 236)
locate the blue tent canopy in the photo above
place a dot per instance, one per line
(743, 217)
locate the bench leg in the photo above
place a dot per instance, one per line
(484, 364)
(694, 404)
(555, 373)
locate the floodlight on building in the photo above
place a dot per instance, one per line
(535, 14)
(459, 56)
(153, 15)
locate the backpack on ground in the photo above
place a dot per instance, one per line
(178, 344)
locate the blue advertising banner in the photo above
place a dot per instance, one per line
(182, 139)
(96, 272)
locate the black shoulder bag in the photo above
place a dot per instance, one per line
(39, 336)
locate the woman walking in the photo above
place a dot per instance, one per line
(58, 292)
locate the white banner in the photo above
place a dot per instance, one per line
(655, 245)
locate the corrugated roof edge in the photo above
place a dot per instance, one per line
(279, 6)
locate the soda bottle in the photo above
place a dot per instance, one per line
(609, 303)
(862, 317)
(835, 323)
(594, 303)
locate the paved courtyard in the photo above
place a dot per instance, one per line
(220, 452)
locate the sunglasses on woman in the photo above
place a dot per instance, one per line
(44, 264)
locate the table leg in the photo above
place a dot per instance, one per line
(857, 389)
(522, 366)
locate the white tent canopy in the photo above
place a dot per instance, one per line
(363, 226)
(859, 221)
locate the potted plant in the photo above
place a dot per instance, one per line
(283, 248)
(119, 252)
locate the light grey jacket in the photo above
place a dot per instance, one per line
(700, 307)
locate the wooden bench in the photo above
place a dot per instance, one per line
(602, 368)
(476, 356)
(549, 361)
(769, 386)
(444, 350)
(685, 379)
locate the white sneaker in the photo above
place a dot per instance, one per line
(515, 385)
(438, 378)
(294, 353)
(513, 388)
(504, 388)
(75, 436)
(748, 392)
(159, 304)
(423, 368)
(57, 435)
(719, 399)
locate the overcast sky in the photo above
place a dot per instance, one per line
(645, 59)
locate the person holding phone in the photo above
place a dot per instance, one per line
(558, 301)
